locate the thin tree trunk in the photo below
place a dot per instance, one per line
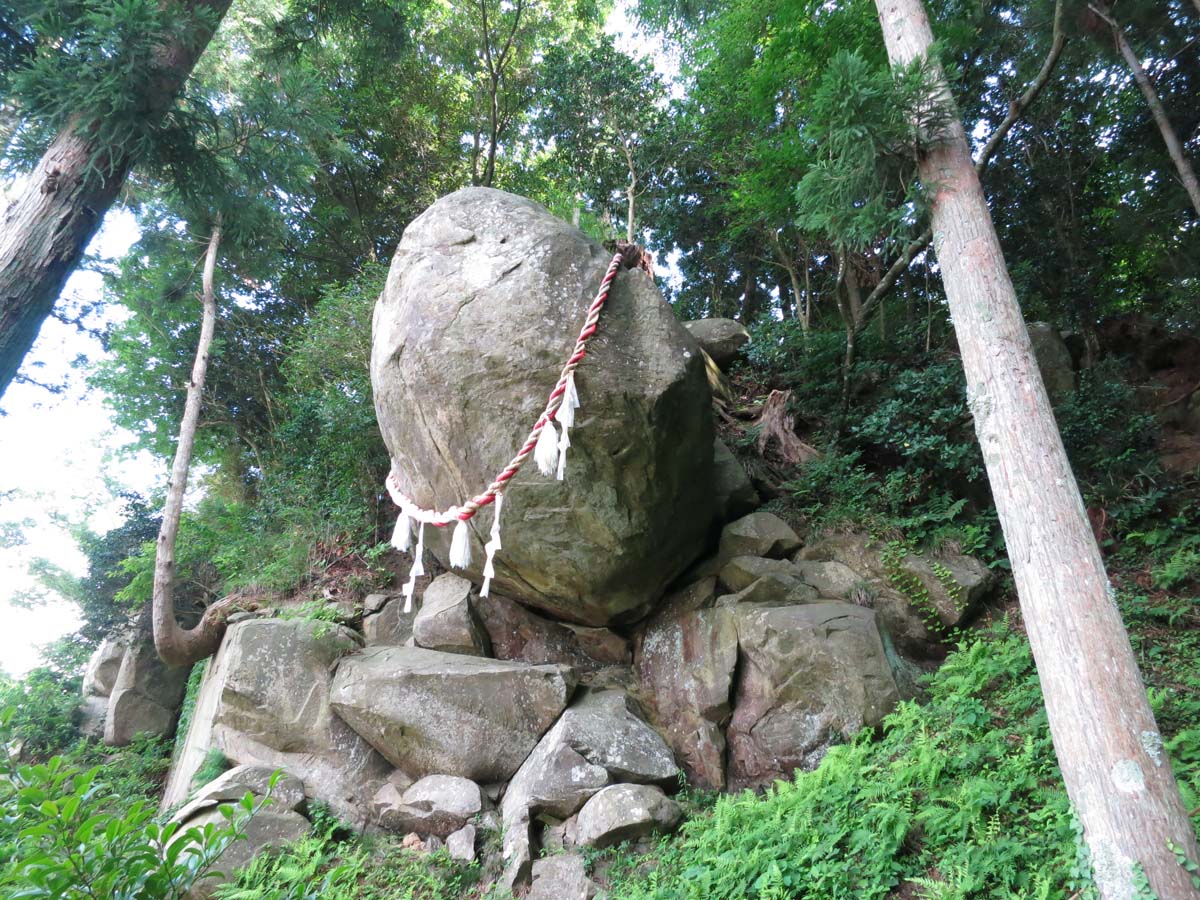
(46, 230)
(178, 646)
(1108, 745)
(1174, 148)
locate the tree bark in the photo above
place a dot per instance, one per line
(46, 229)
(1108, 745)
(1174, 148)
(177, 646)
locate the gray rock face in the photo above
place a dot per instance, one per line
(268, 829)
(812, 676)
(1053, 359)
(561, 878)
(519, 634)
(599, 740)
(100, 677)
(442, 713)
(233, 785)
(265, 701)
(385, 623)
(732, 487)
(743, 571)
(484, 300)
(626, 812)
(685, 663)
(446, 620)
(758, 534)
(950, 588)
(146, 695)
(437, 805)
(461, 844)
(722, 339)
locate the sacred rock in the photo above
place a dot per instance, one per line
(484, 301)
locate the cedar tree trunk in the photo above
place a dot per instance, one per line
(1108, 745)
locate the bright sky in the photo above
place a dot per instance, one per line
(58, 466)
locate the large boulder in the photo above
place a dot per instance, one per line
(811, 676)
(484, 299)
(722, 339)
(265, 701)
(431, 713)
(146, 695)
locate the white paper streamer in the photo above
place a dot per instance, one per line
(489, 569)
(460, 547)
(545, 454)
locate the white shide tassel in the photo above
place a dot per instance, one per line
(460, 546)
(570, 403)
(563, 443)
(545, 454)
(417, 570)
(489, 568)
(402, 533)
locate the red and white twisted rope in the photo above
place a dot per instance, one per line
(563, 393)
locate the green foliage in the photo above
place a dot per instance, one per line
(962, 795)
(215, 764)
(42, 711)
(866, 121)
(89, 65)
(321, 867)
(68, 834)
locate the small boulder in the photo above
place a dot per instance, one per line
(233, 785)
(742, 571)
(437, 805)
(722, 339)
(626, 812)
(100, 677)
(387, 624)
(446, 620)
(733, 488)
(561, 878)
(429, 712)
(758, 534)
(812, 675)
(832, 579)
(516, 633)
(461, 844)
(268, 829)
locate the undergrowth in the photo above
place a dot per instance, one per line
(959, 798)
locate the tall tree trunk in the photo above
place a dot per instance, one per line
(1174, 148)
(1108, 745)
(47, 228)
(178, 646)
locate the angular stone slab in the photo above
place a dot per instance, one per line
(442, 713)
